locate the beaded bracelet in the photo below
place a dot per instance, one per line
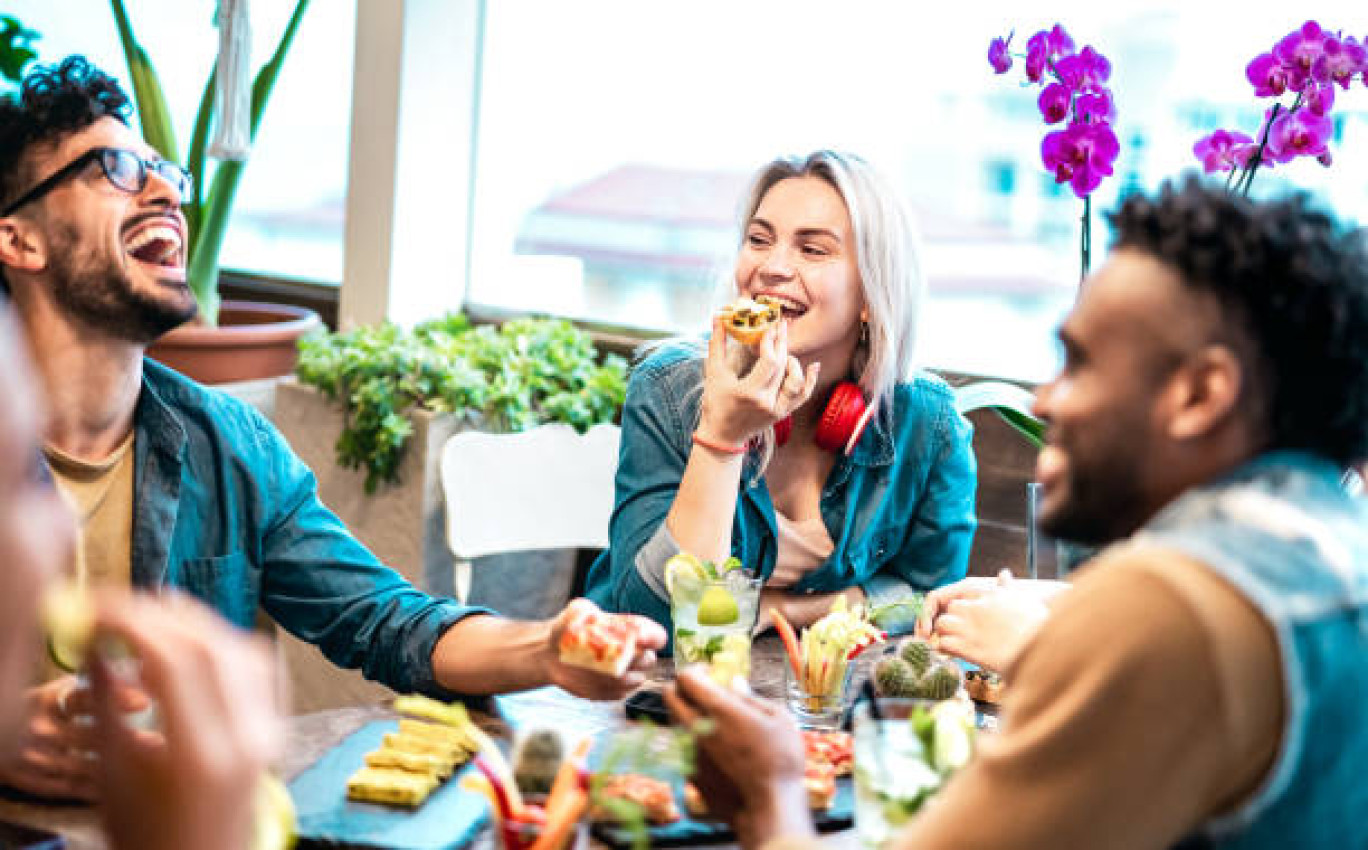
(718, 447)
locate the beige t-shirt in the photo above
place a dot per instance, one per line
(803, 546)
(101, 495)
(1150, 701)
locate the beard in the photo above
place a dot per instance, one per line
(1104, 501)
(101, 294)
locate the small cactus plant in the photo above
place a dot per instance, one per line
(917, 653)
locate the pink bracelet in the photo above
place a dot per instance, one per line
(718, 447)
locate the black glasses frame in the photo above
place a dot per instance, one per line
(109, 160)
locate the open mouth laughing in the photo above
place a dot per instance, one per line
(158, 243)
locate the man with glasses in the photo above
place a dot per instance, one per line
(175, 484)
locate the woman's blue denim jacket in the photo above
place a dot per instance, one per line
(900, 508)
(225, 510)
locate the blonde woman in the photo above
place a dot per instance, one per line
(822, 460)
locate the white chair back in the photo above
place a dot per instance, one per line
(548, 488)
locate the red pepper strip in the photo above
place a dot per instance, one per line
(861, 647)
(500, 790)
(790, 642)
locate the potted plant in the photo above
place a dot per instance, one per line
(238, 340)
(372, 409)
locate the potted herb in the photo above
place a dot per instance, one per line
(257, 340)
(372, 408)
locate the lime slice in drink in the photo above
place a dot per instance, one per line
(952, 735)
(274, 823)
(717, 608)
(684, 573)
(69, 619)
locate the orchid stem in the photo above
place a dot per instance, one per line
(1085, 240)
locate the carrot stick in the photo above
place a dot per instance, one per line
(790, 640)
(571, 774)
(561, 820)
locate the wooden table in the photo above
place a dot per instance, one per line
(311, 735)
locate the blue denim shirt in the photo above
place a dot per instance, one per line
(225, 510)
(1285, 534)
(900, 508)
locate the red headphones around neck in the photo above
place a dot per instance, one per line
(843, 420)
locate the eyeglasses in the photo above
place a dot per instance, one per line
(123, 168)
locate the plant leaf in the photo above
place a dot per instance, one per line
(153, 113)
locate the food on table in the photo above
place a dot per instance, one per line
(819, 778)
(411, 763)
(917, 671)
(391, 786)
(713, 608)
(694, 804)
(599, 641)
(834, 747)
(429, 763)
(747, 320)
(819, 657)
(655, 796)
(983, 686)
(530, 826)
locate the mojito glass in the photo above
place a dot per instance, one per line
(713, 619)
(893, 772)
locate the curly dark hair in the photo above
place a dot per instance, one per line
(53, 102)
(1294, 284)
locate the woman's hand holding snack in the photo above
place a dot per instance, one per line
(737, 406)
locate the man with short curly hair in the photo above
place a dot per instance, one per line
(178, 485)
(1204, 680)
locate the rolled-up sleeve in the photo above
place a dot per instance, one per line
(651, 464)
(323, 586)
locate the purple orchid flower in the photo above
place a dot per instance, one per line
(1037, 56)
(1320, 97)
(1218, 151)
(998, 54)
(1059, 42)
(1095, 107)
(1340, 61)
(1299, 133)
(1268, 75)
(1080, 155)
(1054, 102)
(1086, 71)
(1298, 52)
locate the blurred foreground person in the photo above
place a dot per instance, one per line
(1205, 680)
(192, 782)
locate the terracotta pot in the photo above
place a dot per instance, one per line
(253, 341)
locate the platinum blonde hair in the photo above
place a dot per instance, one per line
(887, 252)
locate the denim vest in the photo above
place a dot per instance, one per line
(1286, 535)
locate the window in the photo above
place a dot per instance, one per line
(288, 215)
(615, 139)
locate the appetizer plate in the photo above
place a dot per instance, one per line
(449, 818)
(689, 831)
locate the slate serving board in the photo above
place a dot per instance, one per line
(448, 819)
(688, 832)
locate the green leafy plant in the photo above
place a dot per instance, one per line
(208, 212)
(513, 377)
(16, 49)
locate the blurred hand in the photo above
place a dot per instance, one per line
(194, 783)
(736, 407)
(1043, 591)
(989, 629)
(591, 684)
(55, 757)
(751, 765)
